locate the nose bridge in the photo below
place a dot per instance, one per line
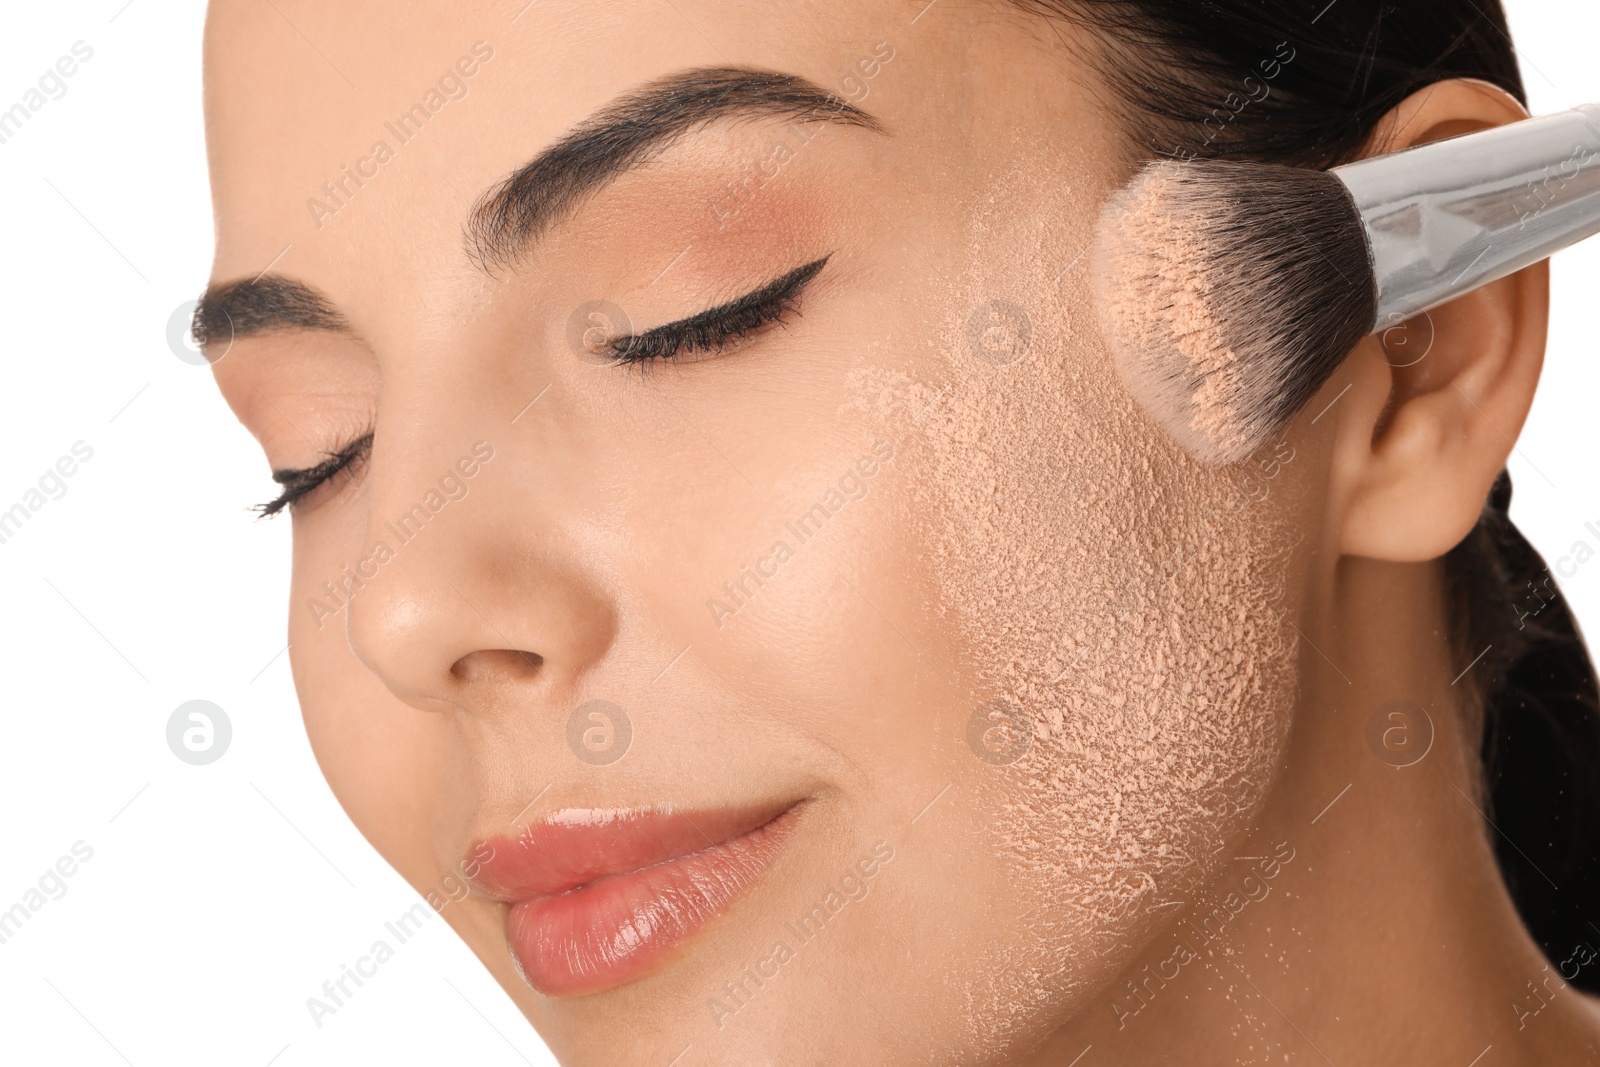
(480, 579)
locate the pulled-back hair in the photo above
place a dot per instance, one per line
(1306, 82)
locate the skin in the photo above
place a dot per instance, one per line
(579, 561)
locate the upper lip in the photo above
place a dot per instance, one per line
(574, 847)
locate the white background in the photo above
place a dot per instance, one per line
(219, 898)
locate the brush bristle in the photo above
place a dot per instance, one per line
(1229, 292)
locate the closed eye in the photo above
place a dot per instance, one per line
(299, 483)
(715, 329)
(708, 331)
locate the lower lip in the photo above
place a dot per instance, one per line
(618, 928)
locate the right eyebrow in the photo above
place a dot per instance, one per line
(232, 310)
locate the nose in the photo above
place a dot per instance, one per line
(486, 598)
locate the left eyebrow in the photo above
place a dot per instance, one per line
(627, 133)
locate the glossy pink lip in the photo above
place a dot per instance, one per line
(601, 897)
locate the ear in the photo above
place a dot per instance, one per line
(1434, 406)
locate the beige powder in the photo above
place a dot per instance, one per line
(1155, 289)
(1106, 584)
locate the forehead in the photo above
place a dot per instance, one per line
(349, 143)
(377, 109)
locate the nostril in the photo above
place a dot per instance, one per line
(497, 664)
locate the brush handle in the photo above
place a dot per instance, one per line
(1444, 218)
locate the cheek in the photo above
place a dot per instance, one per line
(381, 757)
(1120, 616)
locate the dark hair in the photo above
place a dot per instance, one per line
(1305, 82)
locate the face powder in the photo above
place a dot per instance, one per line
(1117, 608)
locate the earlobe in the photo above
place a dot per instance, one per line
(1433, 411)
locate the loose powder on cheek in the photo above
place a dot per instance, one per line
(1110, 593)
(1161, 265)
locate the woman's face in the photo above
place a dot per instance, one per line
(916, 666)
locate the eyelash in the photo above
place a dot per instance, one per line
(299, 483)
(706, 331)
(715, 329)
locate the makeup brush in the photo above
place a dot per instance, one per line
(1230, 291)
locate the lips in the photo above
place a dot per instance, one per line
(600, 898)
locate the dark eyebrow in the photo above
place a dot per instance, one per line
(271, 302)
(626, 133)
(621, 136)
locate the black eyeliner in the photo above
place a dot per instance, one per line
(709, 330)
(298, 482)
(703, 331)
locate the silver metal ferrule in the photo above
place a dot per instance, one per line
(1445, 218)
